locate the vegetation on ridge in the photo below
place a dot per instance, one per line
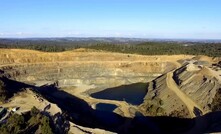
(30, 122)
(146, 48)
(162, 48)
(3, 91)
(216, 104)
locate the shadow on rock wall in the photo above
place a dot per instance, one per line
(79, 112)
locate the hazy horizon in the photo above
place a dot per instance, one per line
(146, 19)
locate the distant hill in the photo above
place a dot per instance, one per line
(124, 45)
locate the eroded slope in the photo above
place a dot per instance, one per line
(189, 90)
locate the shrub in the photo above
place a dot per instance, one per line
(15, 124)
(45, 126)
(3, 91)
(34, 111)
(216, 104)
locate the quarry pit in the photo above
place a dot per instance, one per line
(113, 82)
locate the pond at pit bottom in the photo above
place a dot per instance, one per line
(132, 94)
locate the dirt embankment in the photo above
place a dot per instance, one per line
(27, 99)
(190, 104)
(18, 56)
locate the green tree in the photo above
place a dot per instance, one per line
(34, 111)
(216, 104)
(14, 124)
(3, 91)
(4, 129)
(45, 126)
(16, 119)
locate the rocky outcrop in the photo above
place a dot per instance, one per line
(71, 68)
(160, 100)
(199, 83)
(194, 87)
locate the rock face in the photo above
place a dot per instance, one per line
(83, 67)
(191, 87)
(199, 83)
(69, 73)
(87, 71)
(160, 100)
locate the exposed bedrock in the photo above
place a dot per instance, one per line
(199, 83)
(188, 91)
(85, 72)
(98, 74)
(84, 66)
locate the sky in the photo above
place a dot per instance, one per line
(177, 19)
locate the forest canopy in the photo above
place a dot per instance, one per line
(144, 48)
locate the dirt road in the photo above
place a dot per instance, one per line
(191, 105)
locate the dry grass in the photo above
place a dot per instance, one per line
(10, 56)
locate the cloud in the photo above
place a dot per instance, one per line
(20, 33)
(16, 34)
(113, 33)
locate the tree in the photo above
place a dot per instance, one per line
(3, 91)
(45, 126)
(15, 124)
(216, 104)
(34, 111)
(16, 120)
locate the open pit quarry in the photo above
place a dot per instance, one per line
(128, 85)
